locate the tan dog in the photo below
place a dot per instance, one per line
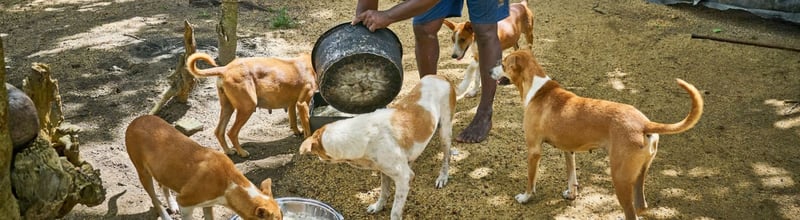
(386, 140)
(270, 83)
(519, 22)
(200, 176)
(576, 124)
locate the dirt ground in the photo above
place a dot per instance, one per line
(741, 161)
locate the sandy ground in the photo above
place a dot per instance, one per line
(740, 162)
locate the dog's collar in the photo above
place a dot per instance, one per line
(538, 82)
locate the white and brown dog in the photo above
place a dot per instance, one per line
(519, 22)
(388, 139)
(259, 82)
(576, 124)
(200, 176)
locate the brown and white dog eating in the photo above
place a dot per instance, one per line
(576, 124)
(259, 82)
(200, 176)
(519, 22)
(388, 139)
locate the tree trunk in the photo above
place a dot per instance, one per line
(8, 208)
(226, 31)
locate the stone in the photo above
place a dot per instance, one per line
(23, 120)
(188, 126)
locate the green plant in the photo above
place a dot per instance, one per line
(204, 14)
(282, 19)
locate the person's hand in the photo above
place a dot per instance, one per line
(373, 19)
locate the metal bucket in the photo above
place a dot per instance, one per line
(358, 71)
(305, 209)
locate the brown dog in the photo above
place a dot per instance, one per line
(270, 83)
(577, 124)
(518, 23)
(200, 176)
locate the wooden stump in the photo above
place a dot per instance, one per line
(43, 90)
(181, 81)
(49, 177)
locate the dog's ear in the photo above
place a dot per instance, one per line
(306, 146)
(512, 62)
(449, 24)
(468, 27)
(266, 187)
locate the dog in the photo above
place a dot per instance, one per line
(519, 22)
(200, 176)
(576, 124)
(387, 140)
(259, 82)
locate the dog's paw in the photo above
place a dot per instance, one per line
(244, 153)
(229, 151)
(523, 197)
(441, 181)
(374, 208)
(569, 194)
(471, 93)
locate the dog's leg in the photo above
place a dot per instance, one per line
(382, 197)
(171, 203)
(639, 201)
(534, 155)
(527, 29)
(149, 186)
(208, 213)
(241, 118)
(293, 120)
(625, 171)
(402, 183)
(475, 80)
(470, 76)
(304, 110)
(225, 112)
(445, 136)
(572, 178)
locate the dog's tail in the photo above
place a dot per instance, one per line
(192, 68)
(686, 123)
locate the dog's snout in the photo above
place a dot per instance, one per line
(454, 56)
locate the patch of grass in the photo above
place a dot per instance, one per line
(204, 14)
(282, 20)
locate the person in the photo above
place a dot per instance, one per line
(428, 16)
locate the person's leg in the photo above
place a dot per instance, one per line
(484, 16)
(489, 58)
(427, 46)
(426, 28)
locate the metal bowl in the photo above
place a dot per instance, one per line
(303, 208)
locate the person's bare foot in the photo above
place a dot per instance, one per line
(477, 130)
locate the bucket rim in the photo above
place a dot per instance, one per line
(329, 31)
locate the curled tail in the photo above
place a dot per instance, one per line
(192, 68)
(686, 123)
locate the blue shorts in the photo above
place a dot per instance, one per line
(480, 11)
